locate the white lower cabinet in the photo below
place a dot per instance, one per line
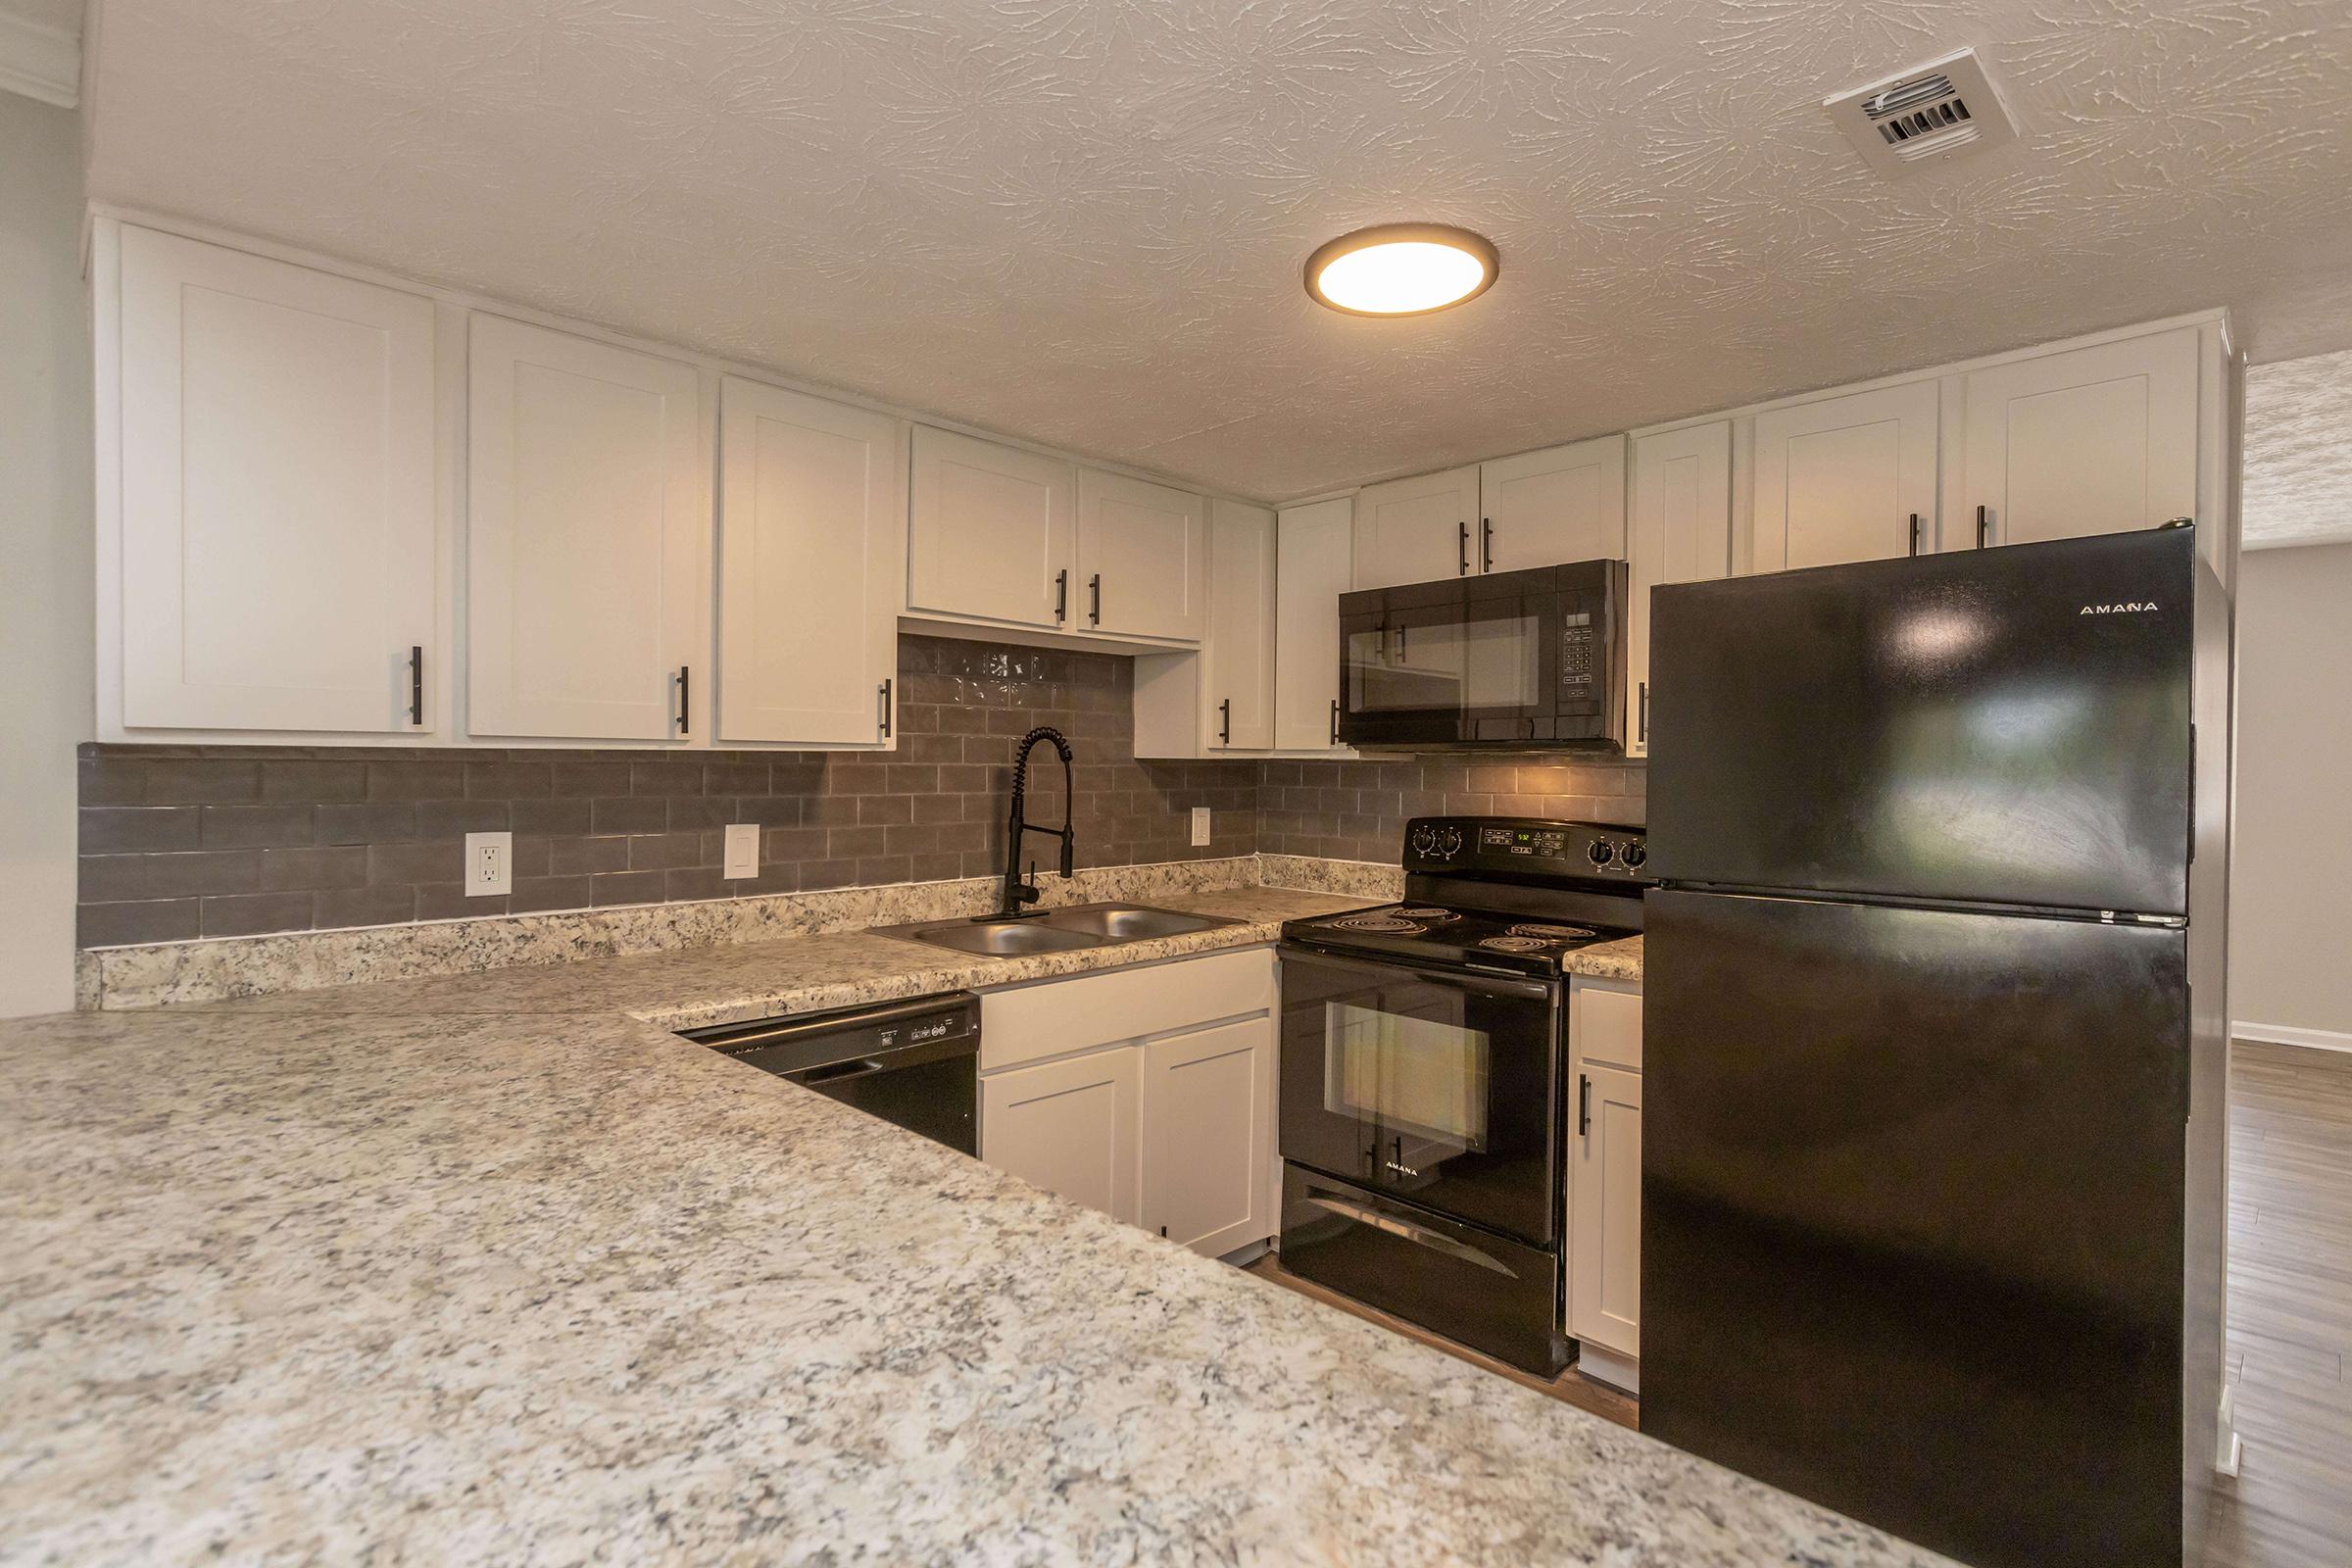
(1604, 1180)
(1069, 1127)
(1147, 1094)
(1209, 1127)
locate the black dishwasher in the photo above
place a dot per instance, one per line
(914, 1063)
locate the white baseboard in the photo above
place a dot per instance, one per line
(1607, 1366)
(2286, 1034)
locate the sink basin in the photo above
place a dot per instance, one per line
(1083, 925)
(998, 939)
(1127, 923)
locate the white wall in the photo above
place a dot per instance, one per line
(2290, 921)
(45, 548)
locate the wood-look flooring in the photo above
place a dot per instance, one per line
(2290, 1315)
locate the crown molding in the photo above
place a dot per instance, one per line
(40, 62)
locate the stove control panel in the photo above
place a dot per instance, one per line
(1529, 846)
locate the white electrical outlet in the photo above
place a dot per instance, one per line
(489, 865)
(743, 850)
(1199, 825)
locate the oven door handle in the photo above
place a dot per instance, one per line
(1485, 980)
(1419, 1235)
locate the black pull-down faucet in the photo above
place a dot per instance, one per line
(1017, 891)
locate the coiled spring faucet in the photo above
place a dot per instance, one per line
(1017, 891)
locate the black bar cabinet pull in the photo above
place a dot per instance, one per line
(1486, 544)
(1061, 594)
(1984, 527)
(884, 688)
(685, 697)
(1583, 1105)
(1462, 544)
(1335, 722)
(1095, 587)
(1643, 732)
(417, 687)
(1225, 722)
(1915, 533)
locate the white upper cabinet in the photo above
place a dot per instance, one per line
(1682, 532)
(1239, 653)
(1416, 530)
(278, 534)
(1847, 478)
(2093, 440)
(812, 535)
(1315, 551)
(588, 554)
(992, 533)
(1540, 509)
(1141, 559)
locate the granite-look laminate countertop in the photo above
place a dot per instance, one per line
(410, 1278)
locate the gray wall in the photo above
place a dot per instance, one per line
(2291, 924)
(45, 534)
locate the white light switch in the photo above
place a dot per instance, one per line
(489, 863)
(743, 850)
(1199, 825)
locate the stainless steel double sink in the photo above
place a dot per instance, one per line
(1080, 925)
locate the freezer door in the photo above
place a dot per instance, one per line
(2006, 726)
(1912, 1245)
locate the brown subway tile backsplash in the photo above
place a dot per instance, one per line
(179, 841)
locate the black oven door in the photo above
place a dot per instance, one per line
(1439, 1088)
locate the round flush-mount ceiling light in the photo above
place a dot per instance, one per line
(1401, 270)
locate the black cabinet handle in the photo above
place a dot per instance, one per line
(1984, 527)
(685, 695)
(1095, 587)
(1643, 732)
(1583, 1105)
(1915, 533)
(1225, 725)
(1335, 722)
(417, 687)
(1061, 594)
(1486, 544)
(1462, 548)
(884, 688)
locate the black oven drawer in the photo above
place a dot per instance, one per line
(1472, 1286)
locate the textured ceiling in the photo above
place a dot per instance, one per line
(1082, 220)
(2298, 480)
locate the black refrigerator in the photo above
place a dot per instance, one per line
(1935, 1082)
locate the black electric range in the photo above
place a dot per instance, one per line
(1424, 1045)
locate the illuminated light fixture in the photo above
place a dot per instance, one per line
(1401, 270)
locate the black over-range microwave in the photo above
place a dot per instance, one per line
(1509, 659)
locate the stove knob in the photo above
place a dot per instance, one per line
(1600, 851)
(1450, 842)
(1635, 854)
(1424, 840)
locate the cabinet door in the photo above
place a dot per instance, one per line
(813, 524)
(1850, 478)
(1142, 552)
(1682, 532)
(991, 532)
(278, 523)
(1604, 1236)
(1540, 509)
(1208, 1135)
(588, 537)
(1239, 652)
(2094, 440)
(1314, 563)
(1069, 1127)
(1415, 530)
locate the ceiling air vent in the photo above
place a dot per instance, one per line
(1933, 111)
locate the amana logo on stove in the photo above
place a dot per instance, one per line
(2129, 606)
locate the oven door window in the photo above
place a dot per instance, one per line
(1422, 1077)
